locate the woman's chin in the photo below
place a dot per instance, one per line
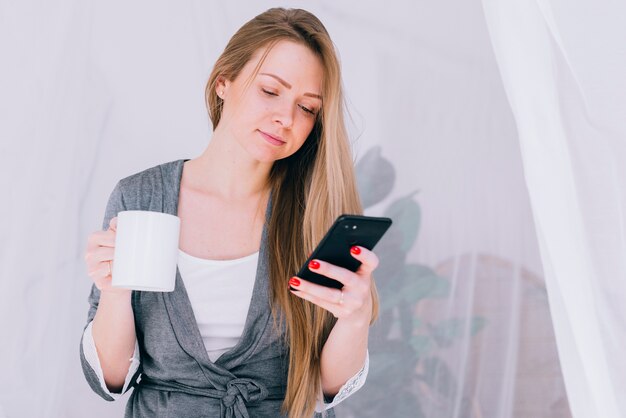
(267, 155)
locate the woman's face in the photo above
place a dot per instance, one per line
(273, 116)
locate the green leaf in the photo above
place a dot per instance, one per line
(406, 215)
(438, 376)
(445, 332)
(406, 405)
(405, 319)
(375, 177)
(478, 323)
(422, 344)
(394, 361)
(392, 259)
(417, 324)
(416, 283)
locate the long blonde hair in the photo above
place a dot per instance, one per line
(309, 190)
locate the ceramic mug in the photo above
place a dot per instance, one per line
(146, 251)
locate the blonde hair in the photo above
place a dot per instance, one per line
(309, 190)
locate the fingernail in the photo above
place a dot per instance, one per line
(313, 265)
(355, 250)
(294, 282)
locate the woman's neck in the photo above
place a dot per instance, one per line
(226, 169)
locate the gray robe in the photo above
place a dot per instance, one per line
(176, 378)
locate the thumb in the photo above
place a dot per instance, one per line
(113, 224)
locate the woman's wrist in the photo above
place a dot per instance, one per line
(116, 294)
(360, 318)
(356, 321)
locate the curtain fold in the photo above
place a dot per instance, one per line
(562, 66)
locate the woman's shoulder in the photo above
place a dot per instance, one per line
(150, 176)
(152, 188)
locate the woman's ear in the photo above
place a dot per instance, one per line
(220, 86)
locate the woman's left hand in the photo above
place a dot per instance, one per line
(352, 303)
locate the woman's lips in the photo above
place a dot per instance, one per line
(271, 139)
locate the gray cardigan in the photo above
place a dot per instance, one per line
(176, 378)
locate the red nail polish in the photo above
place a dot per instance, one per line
(314, 265)
(294, 282)
(355, 250)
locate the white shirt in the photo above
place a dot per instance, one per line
(220, 292)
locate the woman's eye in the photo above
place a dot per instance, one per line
(307, 110)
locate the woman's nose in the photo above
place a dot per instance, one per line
(284, 115)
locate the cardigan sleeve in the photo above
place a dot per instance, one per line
(91, 354)
(93, 376)
(349, 388)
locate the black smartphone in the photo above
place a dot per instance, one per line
(346, 231)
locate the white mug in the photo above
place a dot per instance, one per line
(146, 251)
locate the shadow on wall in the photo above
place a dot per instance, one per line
(416, 343)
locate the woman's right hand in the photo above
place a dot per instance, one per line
(99, 259)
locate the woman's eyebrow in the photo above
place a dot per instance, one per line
(284, 83)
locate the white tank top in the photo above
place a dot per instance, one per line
(220, 292)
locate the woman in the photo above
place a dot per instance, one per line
(279, 143)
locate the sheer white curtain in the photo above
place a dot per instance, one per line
(563, 66)
(93, 92)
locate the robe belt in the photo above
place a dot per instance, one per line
(238, 393)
